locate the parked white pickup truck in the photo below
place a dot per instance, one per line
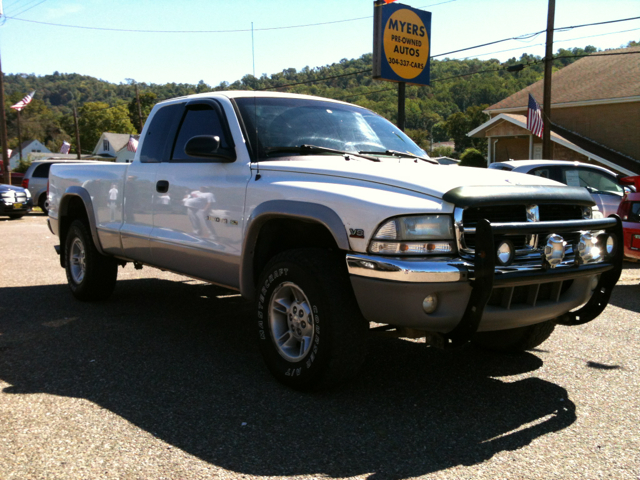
(329, 218)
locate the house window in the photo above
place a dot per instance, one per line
(105, 145)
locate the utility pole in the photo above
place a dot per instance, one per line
(548, 65)
(75, 120)
(139, 109)
(401, 96)
(6, 173)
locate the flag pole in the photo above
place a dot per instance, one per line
(6, 174)
(19, 135)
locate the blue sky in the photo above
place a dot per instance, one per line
(28, 47)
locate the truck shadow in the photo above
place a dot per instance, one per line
(180, 361)
(627, 297)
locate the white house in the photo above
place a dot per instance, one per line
(114, 146)
(30, 146)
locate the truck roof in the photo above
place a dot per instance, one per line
(250, 93)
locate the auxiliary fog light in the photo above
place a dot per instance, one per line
(607, 244)
(588, 248)
(554, 250)
(594, 283)
(505, 252)
(430, 303)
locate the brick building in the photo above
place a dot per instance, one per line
(595, 114)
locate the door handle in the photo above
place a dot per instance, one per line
(162, 186)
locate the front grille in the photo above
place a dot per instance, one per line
(551, 213)
(514, 214)
(495, 214)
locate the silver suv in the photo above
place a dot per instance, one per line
(36, 179)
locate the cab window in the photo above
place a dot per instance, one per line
(155, 139)
(199, 119)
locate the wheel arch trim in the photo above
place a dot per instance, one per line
(288, 209)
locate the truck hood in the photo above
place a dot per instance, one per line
(422, 177)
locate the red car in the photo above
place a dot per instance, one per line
(629, 212)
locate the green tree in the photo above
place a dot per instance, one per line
(473, 158)
(95, 118)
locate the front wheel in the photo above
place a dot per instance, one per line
(515, 339)
(311, 331)
(90, 275)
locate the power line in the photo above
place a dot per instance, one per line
(554, 42)
(206, 31)
(29, 8)
(533, 35)
(315, 80)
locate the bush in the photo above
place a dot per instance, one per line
(473, 158)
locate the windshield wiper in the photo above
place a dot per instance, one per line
(396, 153)
(311, 149)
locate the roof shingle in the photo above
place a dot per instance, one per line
(601, 77)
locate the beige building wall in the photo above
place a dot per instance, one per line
(616, 126)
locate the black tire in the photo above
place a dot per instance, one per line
(90, 275)
(516, 339)
(16, 217)
(329, 345)
(42, 203)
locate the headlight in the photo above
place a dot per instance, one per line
(414, 235)
(26, 190)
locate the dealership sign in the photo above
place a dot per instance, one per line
(401, 43)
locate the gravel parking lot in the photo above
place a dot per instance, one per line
(164, 381)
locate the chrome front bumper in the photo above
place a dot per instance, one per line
(390, 290)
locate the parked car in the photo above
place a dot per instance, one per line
(36, 179)
(629, 212)
(604, 185)
(15, 201)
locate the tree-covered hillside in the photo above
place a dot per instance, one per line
(449, 108)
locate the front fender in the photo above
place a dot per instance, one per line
(285, 209)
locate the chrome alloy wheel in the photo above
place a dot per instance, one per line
(78, 261)
(291, 322)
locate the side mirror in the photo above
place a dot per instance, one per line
(208, 146)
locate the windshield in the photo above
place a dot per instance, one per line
(279, 123)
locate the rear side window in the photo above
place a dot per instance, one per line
(552, 173)
(499, 166)
(199, 119)
(155, 140)
(42, 171)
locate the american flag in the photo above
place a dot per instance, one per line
(24, 102)
(534, 117)
(132, 146)
(66, 146)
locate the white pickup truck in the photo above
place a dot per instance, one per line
(331, 219)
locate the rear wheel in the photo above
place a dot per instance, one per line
(90, 275)
(515, 339)
(310, 328)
